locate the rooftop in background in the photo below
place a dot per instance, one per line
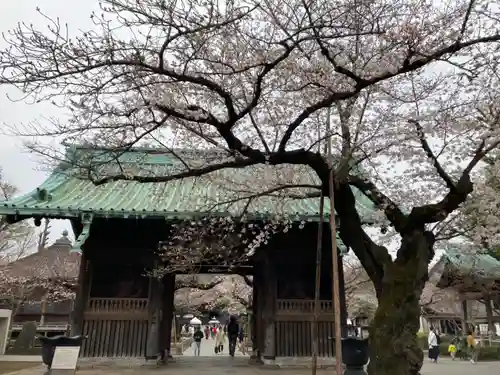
(466, 267)
(56, 261)
(70, 193)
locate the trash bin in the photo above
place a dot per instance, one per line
(49, 345)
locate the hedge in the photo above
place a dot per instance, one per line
(422, 340)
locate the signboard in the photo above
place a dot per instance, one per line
(65, 358)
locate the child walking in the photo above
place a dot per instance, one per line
(452, 350)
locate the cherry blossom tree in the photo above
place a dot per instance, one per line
(16, 240)
(406, 93)
(222, 292)
(478, 220)
(34, 278)
(241, 291)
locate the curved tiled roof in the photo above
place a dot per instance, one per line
(466, 260)
(54, 262)
(68, 192)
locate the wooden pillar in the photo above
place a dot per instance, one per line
(342, 299)
(489, 315)
(154, 311)
(167, 314)
(44, 310)
(81, 297)
(254, 319)
(269, 308)
(258, 281)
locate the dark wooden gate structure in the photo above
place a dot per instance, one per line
(119, 225)
(116, 327)
(294, 320)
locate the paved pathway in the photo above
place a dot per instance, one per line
(222, 365)
(207, 349)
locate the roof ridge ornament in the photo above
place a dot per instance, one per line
(42, 195)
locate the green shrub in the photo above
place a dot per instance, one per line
(423, 343)
(489, 353)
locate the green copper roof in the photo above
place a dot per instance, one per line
(467, 260)
(69, 193)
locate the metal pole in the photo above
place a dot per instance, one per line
(335, 260)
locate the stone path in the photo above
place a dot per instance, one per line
(221, 365)
(207, 349)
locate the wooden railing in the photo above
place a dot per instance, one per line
(117, 305)
(303, 306)
(43, 327)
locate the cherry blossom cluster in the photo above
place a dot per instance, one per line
(17, 290)
(216, 241)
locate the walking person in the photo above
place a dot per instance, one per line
(241, 338)
(232, 334)
(471, 347)
(433, 341)
(197, 336)
(452, 350)
(220, 338)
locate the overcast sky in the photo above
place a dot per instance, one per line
(21, 168)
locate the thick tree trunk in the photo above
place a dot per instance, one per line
(393, 332)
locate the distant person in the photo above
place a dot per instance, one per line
(233, 331)
(241, 340)
(433, 342)
(471, 347)
(241, 335)
(220, 338)
(207, 332)
(197, 336)
(452, 350)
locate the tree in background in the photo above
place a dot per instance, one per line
(43, 236)
(406, 90)
(361, 301)
(478, 221)
(25, 278)
(16, 240)
(38, 277)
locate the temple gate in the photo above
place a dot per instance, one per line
(118, 227)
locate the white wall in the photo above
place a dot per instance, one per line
(5, 316)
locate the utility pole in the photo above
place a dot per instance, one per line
(44, 235)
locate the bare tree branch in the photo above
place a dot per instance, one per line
(425, 145)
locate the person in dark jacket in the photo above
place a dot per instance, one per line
(233, 330)
(241, 335)
(197, 336)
